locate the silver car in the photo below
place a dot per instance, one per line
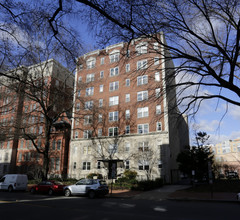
(89, 187)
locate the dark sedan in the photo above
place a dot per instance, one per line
(50, 187)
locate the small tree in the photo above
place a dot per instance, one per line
(196, 158)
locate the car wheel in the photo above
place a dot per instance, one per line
(67, 193)
(91, 194)
(10, 189)
(33, 191)
(50, 192)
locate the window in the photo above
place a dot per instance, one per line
(76, 134)
(128, 67)
(127, 129)
(87, 134)
(74, 165)
(88, 119)
(127, 146)
(141, 96)
(21, 144)
(79, 79)
(127, 98)
(114, 57)
(155, 46)
(98, 165)
(156, 60)
(59, 143)
(40, 129)
(79, 93)
(112, 148)
(53, 144)
(127, 114)
(112, 131)
(158, 109)
(114, 71)
(142, 80)
(101, 74)
(113, 86)
(159, 126)
(143, 165)
(127, 82)
(101, 88)
(114, 100)
(57, 164)
(20, 157)
(141, 48)
(142, 64)
(142, 112)
(102, 61)
(87, 150)
(88, 105)
(90, 77)
(86, 166)
(128, 53)
(52, 160)
(77, 106)
(100, 117)
(113, 116)
(100, 132)
(89, 91)
(143, 129)
(157, 92)
(91, 62)
(157, 76)
(127, 165)
(100, 103)
(143, 146)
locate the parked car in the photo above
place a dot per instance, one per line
(232, 175)
(50, 187)
(238, 196)
(12, 182)
(89, 187)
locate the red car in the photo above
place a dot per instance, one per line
(50, 187)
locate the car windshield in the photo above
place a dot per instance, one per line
(102, 182)
(58, 183)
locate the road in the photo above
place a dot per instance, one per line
(19, 205)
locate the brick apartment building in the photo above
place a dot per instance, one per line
(23, 107)
(125, 113)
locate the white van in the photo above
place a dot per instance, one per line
(12, 182)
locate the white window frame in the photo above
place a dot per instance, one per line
(99, 132)
(87, 134)
(86, 166)
(143, 128)
(142, 112)
(113, 86)
(88, 105)
(142, 64)
(100, 117)
(157, 92)
(114, 57)
(102, 61)
(142, 95)
(114, 100)
(143, 146)
(158, 109)
(157, 77)
(159, 125)
(90, 77)
(101, 88)
(127, 114)
(91, 62)
(142, 80)
(113, 116)
(127, 97)
(89, 91)
(114, 131)
(156, 60)
(127, 129)
(142, 48)
(114, 71)
(100, 103)
(88, 119)
(127, 68)
(101, 74)
(127, 81)
(112, 148)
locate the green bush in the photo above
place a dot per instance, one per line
(148, 184)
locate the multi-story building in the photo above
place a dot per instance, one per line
(125, 113)
(227, 153)
(34, 106)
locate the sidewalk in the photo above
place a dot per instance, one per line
(175, 192)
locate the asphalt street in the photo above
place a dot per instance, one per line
(20, 205)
